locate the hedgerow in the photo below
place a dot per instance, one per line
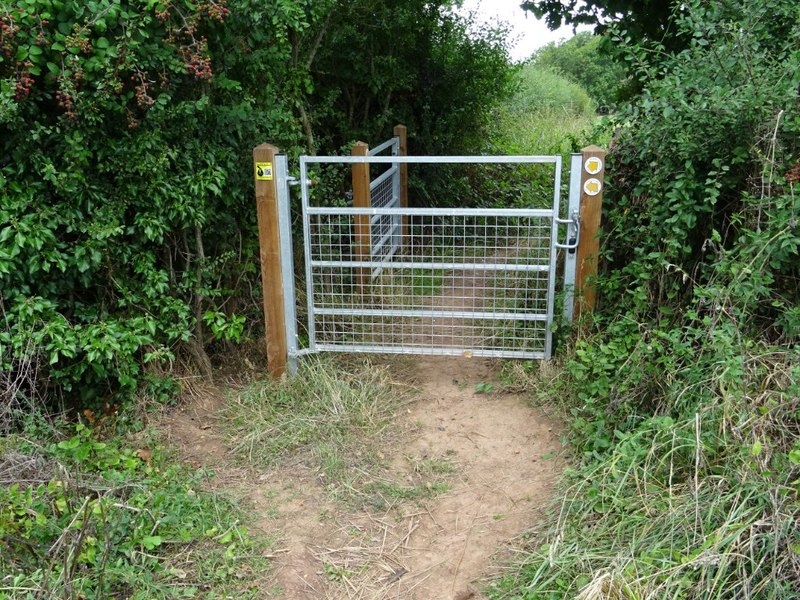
(684, 399)
(127, 228)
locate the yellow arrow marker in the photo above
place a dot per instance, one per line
(593, 165)
(592, 187)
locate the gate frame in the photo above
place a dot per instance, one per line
(275, 238)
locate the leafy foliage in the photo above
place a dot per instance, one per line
(127, 233)
(92, 518)
(684, 399)
(123, 175)
(587, 60)
(642, 19)
(412, 62)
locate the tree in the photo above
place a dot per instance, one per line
(651, 20)
(127, 230)
(587, 60)
(410, 61)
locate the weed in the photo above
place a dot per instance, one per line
(95, 518)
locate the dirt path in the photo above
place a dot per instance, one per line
(501, 453)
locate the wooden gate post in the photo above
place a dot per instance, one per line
(593, 165)
(401, 132)
(362, 228)
(269, 242)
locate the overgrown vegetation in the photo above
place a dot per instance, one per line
(684, 388)
(549, 114)
(127, 246)
(127, 231)
(88, 517)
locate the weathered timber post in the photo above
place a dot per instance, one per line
(362, 226)
(270, 246)
(400, 132)
(593, 164)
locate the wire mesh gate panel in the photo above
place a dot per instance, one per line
(384, 192)
(474, 282)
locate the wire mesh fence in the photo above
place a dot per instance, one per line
(460, 283)
(472, 281)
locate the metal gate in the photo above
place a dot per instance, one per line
(436, 281)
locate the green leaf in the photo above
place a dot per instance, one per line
(151, 541)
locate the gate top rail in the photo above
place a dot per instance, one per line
(393, 143)
(546, 213)
(356, 160)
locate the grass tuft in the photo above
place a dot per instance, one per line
(703, 504)
(337, 418)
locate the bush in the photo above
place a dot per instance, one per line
(683, 388)
(127, 231)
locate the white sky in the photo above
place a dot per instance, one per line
(528, 32)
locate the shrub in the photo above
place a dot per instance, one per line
(683, 387)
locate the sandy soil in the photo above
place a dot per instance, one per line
(505, 469)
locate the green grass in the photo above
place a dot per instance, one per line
(703, 504)
(324, 415)
(426, 283)
(97, 518)
(545, 131)
(548, 115)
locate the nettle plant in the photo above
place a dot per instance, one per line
(125, 203)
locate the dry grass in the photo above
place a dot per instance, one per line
(336, 417)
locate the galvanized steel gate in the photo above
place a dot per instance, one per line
(434, 281)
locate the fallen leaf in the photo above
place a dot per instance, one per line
(144, 454)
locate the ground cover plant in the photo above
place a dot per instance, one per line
(682, 391)
(85, 516)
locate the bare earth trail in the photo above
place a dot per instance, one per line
(436, 549)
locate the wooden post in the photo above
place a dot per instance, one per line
(361, 199)
(401, 132)
(593, 165)
(269, 242)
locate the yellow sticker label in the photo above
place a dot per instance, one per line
(264, 171)
(593, 165)
(592, 187)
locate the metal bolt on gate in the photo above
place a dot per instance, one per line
(383, 277)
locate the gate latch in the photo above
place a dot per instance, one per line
(294, 181)
(573, 232)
